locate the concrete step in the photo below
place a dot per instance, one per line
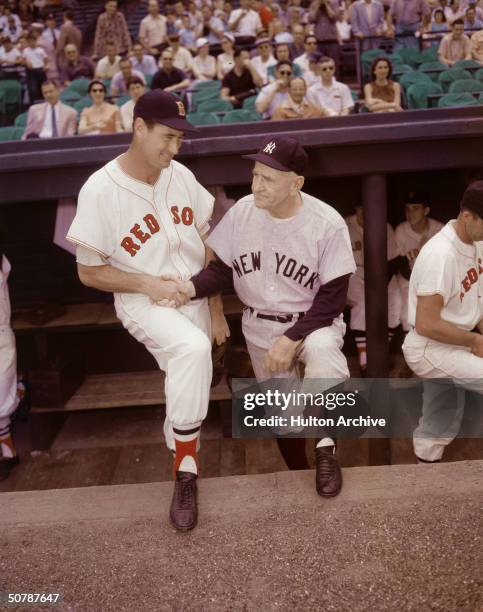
(397, 537)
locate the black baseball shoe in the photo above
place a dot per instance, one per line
(184, 505)
(6, 466)
(328, 476)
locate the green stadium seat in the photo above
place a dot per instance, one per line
(249, 103)
(11, 133)
(429, 55)
(465, 64)
(204, 85)
(214, 106)
(417, 94)
(11, 97)
(454, 74)
(80, 86)
(21, 120)
(457, 99)
(478, 75)
(433, 69)
(415, 76)
(241, 115)
(466, 85)
(400, 69)
(202, 96)
(70, 97)
(149, 79)
(410, 56)
(203, 118)
(83, 103)
(122, 100)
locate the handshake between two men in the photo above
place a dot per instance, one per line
(167, 290)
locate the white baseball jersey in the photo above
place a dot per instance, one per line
(449, 267)
(141, 228)
(356, 233)
(8, 355)
(279, 265)
(4, 295)
(409, 242)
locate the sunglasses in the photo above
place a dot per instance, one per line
(312, 42)
(97, 90)
(285, 72)
(328, 69)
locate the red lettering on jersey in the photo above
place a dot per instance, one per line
(466, 284)
(130, 246)
(473, 275)
(140, 235)
(187, 215)
(151, 223)
(174, 212)
(471, 278)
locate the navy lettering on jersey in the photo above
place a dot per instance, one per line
(246, 263)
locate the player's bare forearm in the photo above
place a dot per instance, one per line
(430, 324)
(110, 279)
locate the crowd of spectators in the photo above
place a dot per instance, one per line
(287, 53)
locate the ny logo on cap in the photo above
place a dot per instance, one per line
(269, 148)
(181, 109)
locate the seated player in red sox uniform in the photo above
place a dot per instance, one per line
(289, 258)
(9, 393)
(445, 306)
(141, 217)
(411, 236)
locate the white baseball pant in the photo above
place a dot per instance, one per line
(404, 292)
(430, 359)
(356, 300)
(180, 341)
(321, 352)
(8, 376)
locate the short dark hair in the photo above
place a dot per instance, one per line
(96, 82)
(440, 11)
(69, 14)
(134, 80)
(50, 82)
(124, 60)
(297, 78)
(238, 51)
(324, 59)
(381, 58)
(309, 36)
(283, 63)
(458, 22)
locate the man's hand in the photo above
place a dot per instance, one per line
(219, 327)
(281, 355)
(477, 346)
(167, 288)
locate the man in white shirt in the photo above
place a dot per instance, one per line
(135, 89)
(310, 45)
(152, 29)
(119, 80)
(245, 22)
(51, 119)
(36, 62)
(330, 93)
(264, 59)
(108, 65)
(275, 94)
(141, 62)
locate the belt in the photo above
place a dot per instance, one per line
(287, 318)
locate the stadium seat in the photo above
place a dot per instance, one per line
(149, 79)
(429, 55)
(409, 56)
(433, 69)
(241, 115)
(466, 85)
(454, 74)
(400, 69)
(457, 99)
(11, 133)
(415, 76)
(249, 103)
(417, 94)
(204, 85)
(122, 100)
(202, 96)
(83, 103)
(214, 106)
(478, 74)
(80, 86)
(465, 64)
(12, 92)
(70, 97)
(203, 118)
(21, 120)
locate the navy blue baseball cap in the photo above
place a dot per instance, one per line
(417, 197)
(162, 107)
(282, 153)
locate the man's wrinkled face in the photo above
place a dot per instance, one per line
(297, 90)
(271, 187)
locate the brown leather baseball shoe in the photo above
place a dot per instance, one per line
(328, 476)
(184, 505)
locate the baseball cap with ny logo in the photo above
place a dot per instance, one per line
(281, 153)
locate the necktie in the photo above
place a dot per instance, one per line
(55, 132)
(54, 38)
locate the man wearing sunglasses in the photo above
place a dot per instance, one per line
(275, 94)
(330, 93)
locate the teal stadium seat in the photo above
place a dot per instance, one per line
(21, 120)
(466, 85)
(415, 76)
(80, 86)
(249, 103)
(203, 118)
(466, 64)
(433, 69)
(11, 133)
(417, 94)
(241, 115)
(454, 74)
(478, 75)
(214, 106)
(457, 99)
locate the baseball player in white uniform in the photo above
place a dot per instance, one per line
(289, 258)
(411, 236)
(355, 295)
(9, 397)
(140, 219)
(445, 306)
